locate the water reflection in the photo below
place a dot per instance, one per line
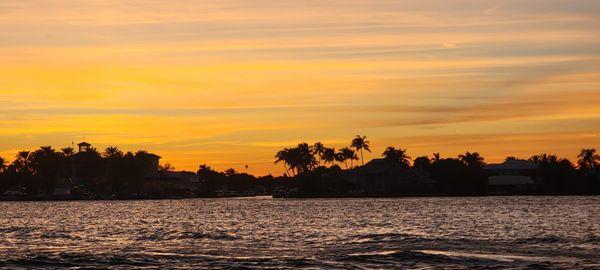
(349, 233)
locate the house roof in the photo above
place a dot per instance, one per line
(377, 166)
(151, 155)
(513, 164)
(84, 144)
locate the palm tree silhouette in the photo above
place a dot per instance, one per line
(359, 143)
(22, 161)
(306, 158)
(112, 152)
(348, 154)
(67, 151)
(397, 156)
(318, 150)
(329, 155)
(230, 172)
(2, 164)
(340, 158)
(473, 160)
(436, 157)
(544, 159)
(588, 160)
(283, 156)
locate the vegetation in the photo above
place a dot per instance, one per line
(39, 172)
(310, 171)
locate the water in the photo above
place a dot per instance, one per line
(489, 232)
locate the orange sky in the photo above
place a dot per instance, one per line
(228, 83)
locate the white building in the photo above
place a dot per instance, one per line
(511, 176)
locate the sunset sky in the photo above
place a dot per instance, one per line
(228, 83)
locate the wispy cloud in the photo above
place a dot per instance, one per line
(234, 80)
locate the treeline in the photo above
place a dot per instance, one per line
(233, 183)
(112, 171)
(315, 170)
(311, 170)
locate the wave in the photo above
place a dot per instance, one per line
(73, 260)
(162, 236)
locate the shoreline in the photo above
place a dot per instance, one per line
(295, 197)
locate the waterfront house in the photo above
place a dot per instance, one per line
(514, 176)
(381, 177)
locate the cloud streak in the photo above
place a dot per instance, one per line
(235, 80)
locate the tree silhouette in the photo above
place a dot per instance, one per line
(318, 150)
(230, 172)
(329, 155)
(306, 161)
(473, 160)
(436, 157)
(45, 165)
(348, 154)
(588, 160)
(399, 156)
(22, 161)
(112, 152)
(340, 158)
(422, 163)
(299, 159)
(284, 156)
(543, 158)
(67, 151)
(359, 143)
(2, 164)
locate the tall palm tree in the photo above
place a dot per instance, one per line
(306, 159)
(473, 160)
(395, 155)
(283, 156)
(22, 161)
(348, 154)
(2, 164)
(329, 155)
(340, 158)
(588, 160)
(318, 150)
(359, 143)
(112, 152)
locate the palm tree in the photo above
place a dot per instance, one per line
(306, 159)
(588, 160)
(329, 155)
(359, 143)
(473, 160)
(112, 152)
(22, 161)
(397, 156)
(340, 158)
(67, 151)
(283, 156)
(436, 157)
(45, 165)
(2, 164)
(543, 159)
(318, 150)
(230, 172)
(348, 154)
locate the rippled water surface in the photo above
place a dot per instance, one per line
(489, 232)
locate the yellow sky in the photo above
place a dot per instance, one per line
(228, 83)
